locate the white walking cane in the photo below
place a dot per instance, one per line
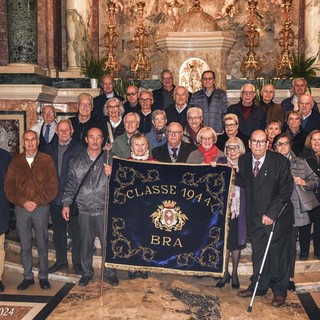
(265, 256)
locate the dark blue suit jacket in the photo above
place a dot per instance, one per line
(5, 158)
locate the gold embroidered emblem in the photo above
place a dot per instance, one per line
(168, 216)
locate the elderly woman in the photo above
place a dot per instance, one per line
(296, 132)
(311, 153)
(194, 119)
(112, 123)
(231, 129)
(236, 241)
(302, 175)
(207, 151)
(157, 136)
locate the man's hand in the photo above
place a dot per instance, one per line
(266, 220)
(66, 213)
(30, 206)
(107, 169)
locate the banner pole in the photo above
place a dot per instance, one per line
(105, 221)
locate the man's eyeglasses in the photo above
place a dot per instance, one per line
(256, 142)
(48, 113)
(171, 133)
(131, 94)
(208, 79)
(247, 93)
(281, 144)
(145, 99)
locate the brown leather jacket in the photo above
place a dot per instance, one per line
(38, 183)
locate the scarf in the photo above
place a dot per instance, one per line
(210, 154)
(160, 134)
(140, 158)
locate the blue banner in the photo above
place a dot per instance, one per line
(168, 217)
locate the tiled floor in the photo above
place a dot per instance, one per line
(161, 297)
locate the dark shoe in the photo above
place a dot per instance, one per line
(303, 258)
(235, 282)
(58, 266)
(226, 279)
(291, 286)
(132, 275)
(25, 284)
(278, 301)
(113, 280)
(248, 293)
(84, 281)
(143, 275)
(1, 286)
(44, 284)
(77, 269)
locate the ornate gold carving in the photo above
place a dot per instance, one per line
(112, 64)
(251, 64)
(209, 256)
(215, 185)
(168, 217)
(140, 67)
(121, 246)
(286, 39)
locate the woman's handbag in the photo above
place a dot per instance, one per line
(307, 199)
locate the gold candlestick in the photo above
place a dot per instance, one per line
(112, 65)
(140, 67)
(286, 39)
(251, 64)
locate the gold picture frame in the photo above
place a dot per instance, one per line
(12, 126)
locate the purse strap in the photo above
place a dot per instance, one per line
(86, 175)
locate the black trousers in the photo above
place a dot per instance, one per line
(276, 272)
(59, 226)
(304, 234)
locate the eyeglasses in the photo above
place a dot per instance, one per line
(113, 107)
(194, 118)
(167, 78)
(233, 148)
(145, 99)
(256, 142)
(159, 119)
(208, 79)
(231, 125)
(48, 113)
(131, 94)
(247, 93)
(207, 138)
(171, 133)
(281, 144)
(85, 106)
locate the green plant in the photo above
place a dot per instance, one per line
(302, 67)
(122, 84)
(92, 68)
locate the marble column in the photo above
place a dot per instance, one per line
(312, 28)
(22, 25)
(78, 20)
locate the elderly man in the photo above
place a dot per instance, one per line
(132, 104)
(268, 184)
(310, 118)
(121, 146)
(146, 101)
(46, 129)
(62, 151)
(177, 112)
(273, 110)
(163, 97)
(91, 205)
(84, 120)
(212, 101)
(31, 183)
(107, 84)
(299, 87)
(174, 150)
(251, 117)
(4, 210)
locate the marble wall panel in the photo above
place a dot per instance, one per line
(4, 57)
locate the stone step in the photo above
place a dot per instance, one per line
(310, 267)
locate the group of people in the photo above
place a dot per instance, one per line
(66, 165)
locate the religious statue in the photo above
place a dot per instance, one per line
(228, 9)
(171, 8)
